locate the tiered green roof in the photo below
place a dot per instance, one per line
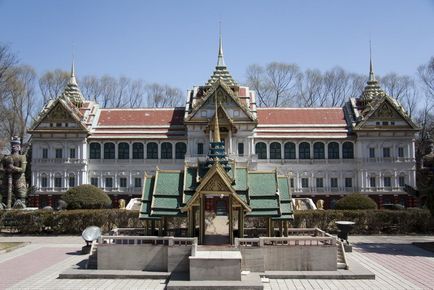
(264, 192)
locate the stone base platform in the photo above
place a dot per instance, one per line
(180, 281)
(112, 274)
(215, 266)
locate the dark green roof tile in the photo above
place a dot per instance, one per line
(261, 184)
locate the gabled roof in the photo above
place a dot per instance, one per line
(210, 93)
(216, 174)
(386, 102)
(64, 104)
(297, 116)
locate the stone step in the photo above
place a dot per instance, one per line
(216, 248)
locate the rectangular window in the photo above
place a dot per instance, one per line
(371, 152)
(305, 182)
(348, 182)
(386, 152)
(240, 149)
(94, 181)
(71, 181)
(44, 182)
(199, 148)
(372, 182)
(292, 182)
(333, 182)
(387, 181)
(401, 181)
(45, 153)
(319, 183)
(59, 153)
(109, 182)
(400, 152)
(137, 182)
(72, 153)
(123, 182)
(58, 182)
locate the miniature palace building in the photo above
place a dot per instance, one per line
(221, 158)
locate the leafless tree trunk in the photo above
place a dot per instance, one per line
(160, 96)
(309, 92)
(426, 76)
(52, 84)
(402, 88)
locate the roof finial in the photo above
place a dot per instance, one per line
(216, 136)
(220, 60)
(371, 67)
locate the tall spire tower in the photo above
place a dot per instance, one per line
(372, 89)
(221, 70)
(72, 91)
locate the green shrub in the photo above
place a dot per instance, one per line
(356, 201)
(412, 220)
(86, 197)
(75, 221)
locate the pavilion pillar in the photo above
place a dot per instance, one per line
(189, 223)
(281, 228)
(160, 228)
(201, 219)
(231, 224)
(152, 227)
(285, 228)
(270, 227)
(241, 223)
(165, 223)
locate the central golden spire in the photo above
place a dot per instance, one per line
(216, 136)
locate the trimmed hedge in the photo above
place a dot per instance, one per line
(86, 196)
(67, 222)
(356, 201)
(411, 220)
(75, 221)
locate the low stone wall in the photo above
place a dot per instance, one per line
(297, 253)
(165, 254)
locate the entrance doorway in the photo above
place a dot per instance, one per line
(216, 216)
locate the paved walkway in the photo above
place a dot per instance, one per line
(396, 263)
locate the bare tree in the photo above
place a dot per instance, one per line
(426, 76)
(309, 92)
(160, 96)
(402, 88)
(275, 84)
(20, 104)
(110, 92)
(7, 61)
(52, 84)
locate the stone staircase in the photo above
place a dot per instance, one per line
(341, 259)
(92, 262)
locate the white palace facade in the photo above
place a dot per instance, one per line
(366, 146)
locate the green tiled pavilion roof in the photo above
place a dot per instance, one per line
(285, 195)
(167, 193)
(168, 183)
(190, 178)
(241, 179)
(264, 203)
(261, 184)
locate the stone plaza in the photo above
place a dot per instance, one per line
(396, 263)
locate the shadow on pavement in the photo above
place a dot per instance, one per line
(393, 249)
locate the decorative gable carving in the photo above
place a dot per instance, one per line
(216, 183)
(385, 111)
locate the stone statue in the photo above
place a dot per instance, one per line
(13, 168)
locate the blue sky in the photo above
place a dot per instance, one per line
(175, 42)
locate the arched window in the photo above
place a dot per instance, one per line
(166, 150)
(261, 150)
(152, 150)
(348, 150)
(289, 150)
(318, 150)
(95, 151)
(44, 180)
(304, 150)
(275, 150)
(333, 150)
(109, 151)
(138, 151)
(180, 150)
(71, 180)
(123, 150)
